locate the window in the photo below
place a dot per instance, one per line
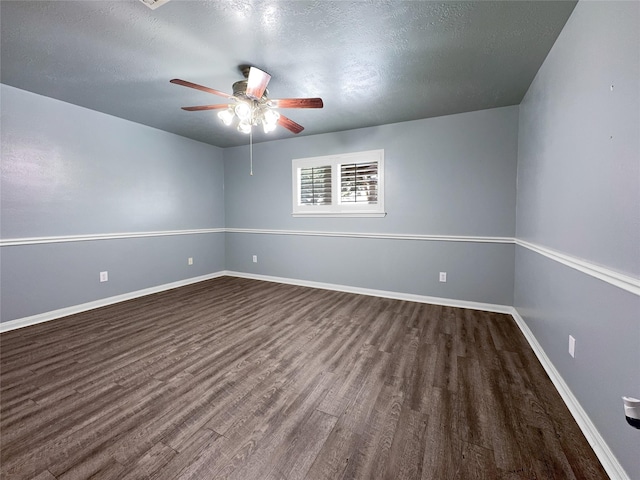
(349, 185)
(315, 185)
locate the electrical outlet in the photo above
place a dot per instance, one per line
(255, 259)
(572, 346)
(443, 277)
(104, 276)
(190, 261)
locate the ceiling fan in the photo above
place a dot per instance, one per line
(250, 104)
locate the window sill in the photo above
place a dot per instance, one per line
(338, 215)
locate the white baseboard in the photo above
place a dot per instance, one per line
(603, 452)
(600, 447)
(448, 302)
(63, 312)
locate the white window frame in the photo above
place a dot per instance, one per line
(337, 209)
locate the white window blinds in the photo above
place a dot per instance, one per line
(359, 183)
(315, 185)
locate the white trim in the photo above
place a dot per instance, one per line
(109, 236)
(625, 282)
(103, 236)
(83, 307)
(389, 236)
(603, 452)
(342, 214)
(410, 297)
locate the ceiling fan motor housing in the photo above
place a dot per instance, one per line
(240, 91)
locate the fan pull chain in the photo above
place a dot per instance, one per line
(251, 152)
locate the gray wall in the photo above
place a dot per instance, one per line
(475, 272)
(579, 193)
(71, 171)
(451, 175)
(67, 171)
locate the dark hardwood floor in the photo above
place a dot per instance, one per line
(241, 379)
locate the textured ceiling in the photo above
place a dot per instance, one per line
(373, 62)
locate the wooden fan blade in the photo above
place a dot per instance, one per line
(257, 83)
(290, 124)
(184, 83)
(205, 107)
(297, 103)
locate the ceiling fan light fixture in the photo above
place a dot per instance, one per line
(269, 119)
(270, 116)
(226, 116)
(268, 127)
(244, 127)
(243, 110)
